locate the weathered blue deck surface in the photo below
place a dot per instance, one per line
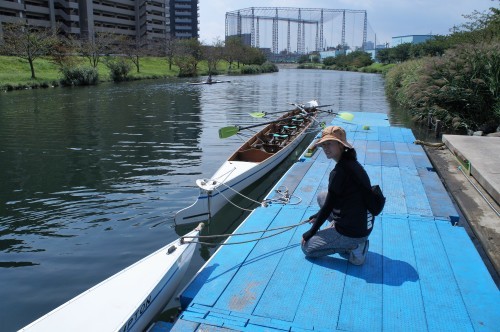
(421, 273)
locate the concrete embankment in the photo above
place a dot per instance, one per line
(469, 168)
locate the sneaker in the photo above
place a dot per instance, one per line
(358, 255)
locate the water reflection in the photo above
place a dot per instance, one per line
(85, 155)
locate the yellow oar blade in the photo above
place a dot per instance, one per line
(257, 114)
(346, 116)
(228, 131)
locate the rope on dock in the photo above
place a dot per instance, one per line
(283, 197)
(280, 229)
(432, 145)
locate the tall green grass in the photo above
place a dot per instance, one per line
(461, 88)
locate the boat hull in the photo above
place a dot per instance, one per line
(126, 301)
(210, 202)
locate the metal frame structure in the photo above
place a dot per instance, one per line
(250, 21)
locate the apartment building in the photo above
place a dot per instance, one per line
(142, 19)
(184, 18)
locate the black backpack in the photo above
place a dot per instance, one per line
(374, 197)
(375, 200)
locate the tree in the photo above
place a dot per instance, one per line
(401, 52)
(233, 50)
(383, 55)
(481, 27)
(134, 50)
(251, 56)
(168, 49)
(359, 59)
(187, 55)
(95, 48)
(61, 52)
(27, 42)
(213, 54)
(431, 47)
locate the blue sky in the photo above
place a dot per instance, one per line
(387, 18)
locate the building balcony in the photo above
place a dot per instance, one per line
(183, 34)
(183, 13)
(183, 27)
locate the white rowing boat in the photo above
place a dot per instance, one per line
(255, 158)
(128, 300)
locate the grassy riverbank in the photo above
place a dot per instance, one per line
(15, 73)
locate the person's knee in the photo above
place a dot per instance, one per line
(305, 250)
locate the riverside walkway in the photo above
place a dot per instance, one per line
(422, 273)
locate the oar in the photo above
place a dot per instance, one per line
(229, 131)
(263, 114)
(226, 132)
(343, 115)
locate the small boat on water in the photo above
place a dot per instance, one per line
(128, 300)
(209, 82)
(255, 158)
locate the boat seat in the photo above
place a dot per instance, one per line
(289, 130)
(278, 136)
(253, 155)
(298, 121)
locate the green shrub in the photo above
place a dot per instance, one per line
(329, 61)
(307, 66)
(269, 67)
(252, 69)
(79, 76)
(119, 69)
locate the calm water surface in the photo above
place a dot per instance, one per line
(91, 177)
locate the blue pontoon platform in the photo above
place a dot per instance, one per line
(422, 273)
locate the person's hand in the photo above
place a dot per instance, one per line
(306, 236)
(312, 220)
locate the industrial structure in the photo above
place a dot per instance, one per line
(298, 30)
(140, 19)
(412, 39)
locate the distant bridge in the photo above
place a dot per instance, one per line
(298, 30)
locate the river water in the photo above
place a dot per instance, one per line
(91, 177)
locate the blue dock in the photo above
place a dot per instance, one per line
(422, 273)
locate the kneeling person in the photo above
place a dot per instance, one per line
(343, 204)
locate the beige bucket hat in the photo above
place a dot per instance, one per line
(334, 133)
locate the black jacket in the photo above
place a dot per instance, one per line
(346, 191)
